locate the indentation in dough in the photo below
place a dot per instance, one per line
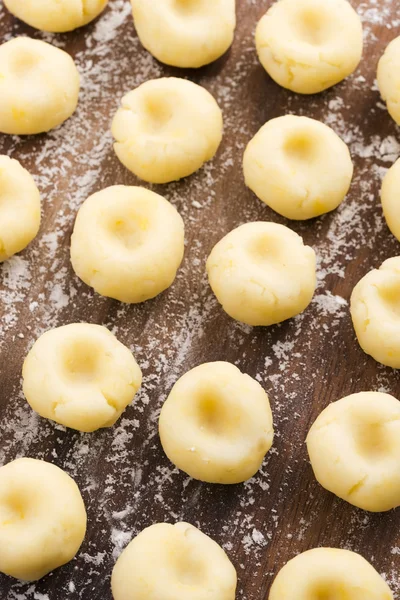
(390, 294)
(329, 590)
(81, 360)
(213, 414)
(13, 510)
(189, 571)
(158, 111)
(371, 439)
(23, 61)
(267, 249)
(129, 230)
(301, 147)
(312, 26)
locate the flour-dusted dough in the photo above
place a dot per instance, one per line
(329, 573)
(173, 562)
(56, 15)
(216, 424)
(128, 243)
(390, 198)
(375, 313)
(354, 448)
(298, 166)
(81, 376)
(39, 86)
(167, 129)
(185, 33)
(389, 78)
(308, 46)
(262, 273)
(19, 207)
(42, 518)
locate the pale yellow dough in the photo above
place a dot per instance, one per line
(389, 78)
(354, 448)
(185, 33)
(262, 273)
(331, 574)
(308, 46)
(39, 86)
(81, 376)
(19, 207)
(167, 129)
(298, 166)
(42, 518)
(216, 424)
(173, 562)
(128, 243)
(56, 15)
(390, 198)
(375, 313)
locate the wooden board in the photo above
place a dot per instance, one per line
(126, 480)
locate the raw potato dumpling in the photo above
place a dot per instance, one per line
(298, 166)
(80, 376)
(185, 33)
(19, 208)
(375, 313)
(216, 424)
(390, 197)
(128, 243)
(56, 15)
(308, 46)
(176, 562)
(389, 78)
(167, 129)
(42, 518)
(39, 86)
(354, 448)
(262, 273)
(329, 573)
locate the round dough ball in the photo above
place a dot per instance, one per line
(390, 198)
(329, 573)
(39, 86)
(42, 518)
(308, 46)
(56, 15)
(80, 376)
(298, 166)
(262, 273)
(189, 566)
(128, 243)
(354, 448)
(19, 207)
(389, 78)
(374, 309)
(216, 424)
(167, 129)
(185, 33)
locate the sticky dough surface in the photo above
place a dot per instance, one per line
(81, 376)
(19, 207)
(190, 566)
(354, 448)
(375, 313)
(262, 273)
(389, 78)
(42, 518)
(185, 33)
(216, 424)
(167, 129)
(308, 46)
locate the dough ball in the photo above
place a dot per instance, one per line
(390, 197)
(298, 166)
(216, 424)
(39, 86)
(81, 376)
(128, 243)
(262, 273)
(354, 448)
(308, 46)
(329, 573)
(173, 561)
(167, 129)
(185, 33)
(19, 207)
(56, 15)
(42, 518)
(389, 78)
(375, 312)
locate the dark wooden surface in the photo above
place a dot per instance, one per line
(126, 480)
